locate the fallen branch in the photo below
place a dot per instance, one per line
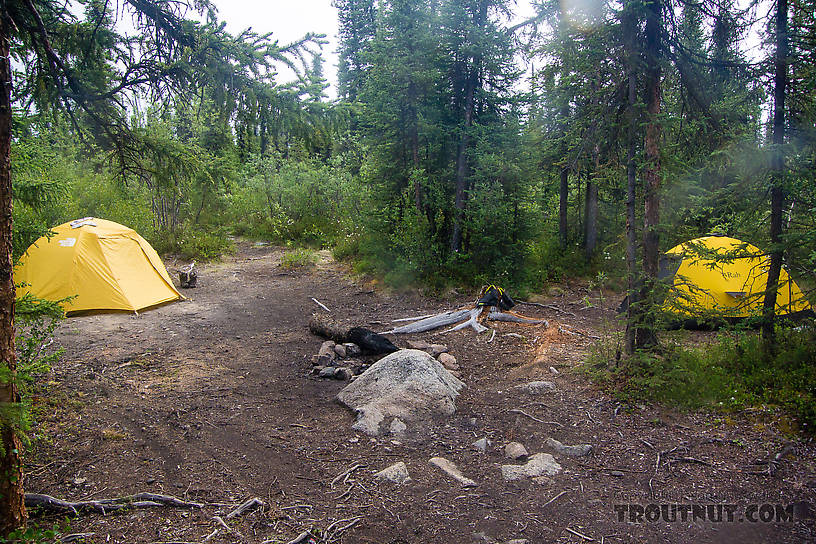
(300, 539)
(346, 473)
(103, 506)
(349, 523)
(75, 536)
(522, 412)
(245, 507)
(321, 304)
(548, 306)
(229, 529)
(576, 533)
(555, 498)
(773, 464)
(688, 460)
(578, 333)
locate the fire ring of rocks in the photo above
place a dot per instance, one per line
(345, 361)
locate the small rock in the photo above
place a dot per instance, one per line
(515, 450)
(327, 372)
(352, 350)
(79, 481)
(326, 354)
(617, 474)
(448, 361)
(480, 445)
(539, 464)
(451, 470)
(434, 350)
(421, 345)
(397, 426)
(316, 369)
(397, 473)
(553, 370)
(537, 387)
(340, 350)
(570, 451)
(343, 373)
(437, 349)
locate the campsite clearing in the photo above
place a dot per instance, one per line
(210, 400)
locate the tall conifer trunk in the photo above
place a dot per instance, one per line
(632, 317)
(471, 84)
(591, 211)
(777, 173)
(12, 496)
(461, 158)
(563, 206)
(651, 173)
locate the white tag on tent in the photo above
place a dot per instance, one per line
(76, 223)
(68, 242)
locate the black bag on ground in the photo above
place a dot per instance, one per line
(495, 296)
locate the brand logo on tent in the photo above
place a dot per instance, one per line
(68, 242)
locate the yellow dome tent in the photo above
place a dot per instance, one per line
(717, 275)
(104, 265)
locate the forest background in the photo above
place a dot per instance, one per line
(466, 146)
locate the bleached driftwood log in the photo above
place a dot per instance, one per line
(464, 318)
(433, 322)
(472, 322)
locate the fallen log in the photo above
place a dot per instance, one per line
(320, 325)
(369, 341)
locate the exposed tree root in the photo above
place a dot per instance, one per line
(104, 506)
(513, 317)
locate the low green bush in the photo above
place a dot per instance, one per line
(298, 258)
(732, 372)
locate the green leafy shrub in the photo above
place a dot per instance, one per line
(298, 258)
(732, 372)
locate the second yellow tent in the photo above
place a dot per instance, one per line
(728, 277)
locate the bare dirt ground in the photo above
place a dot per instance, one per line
(211, 400)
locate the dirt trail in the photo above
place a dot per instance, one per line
(210, 399)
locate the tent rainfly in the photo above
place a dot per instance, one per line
(725, 277)
(102, 264)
